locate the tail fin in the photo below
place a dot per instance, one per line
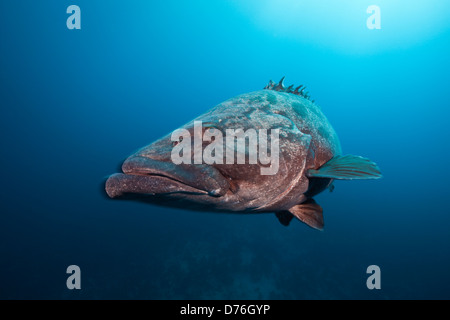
(347, 167)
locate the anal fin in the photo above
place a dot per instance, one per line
(310, 213)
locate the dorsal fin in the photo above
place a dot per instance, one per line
(299, 91)
(279, 86)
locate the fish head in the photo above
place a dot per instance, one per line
(151, 171)
(203, 163)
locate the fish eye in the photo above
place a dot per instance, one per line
(174, 143)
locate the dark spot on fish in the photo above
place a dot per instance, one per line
(302, 111)
(256, 99)
(271, 98)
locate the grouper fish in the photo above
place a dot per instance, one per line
(309, 159)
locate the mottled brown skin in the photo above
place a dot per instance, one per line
(307, 141)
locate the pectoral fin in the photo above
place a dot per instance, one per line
(310, 213)
(347, 167)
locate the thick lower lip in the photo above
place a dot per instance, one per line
(120, 184)
(156, 176)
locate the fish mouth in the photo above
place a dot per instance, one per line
(145, 176)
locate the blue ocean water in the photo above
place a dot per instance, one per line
(75, 103)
